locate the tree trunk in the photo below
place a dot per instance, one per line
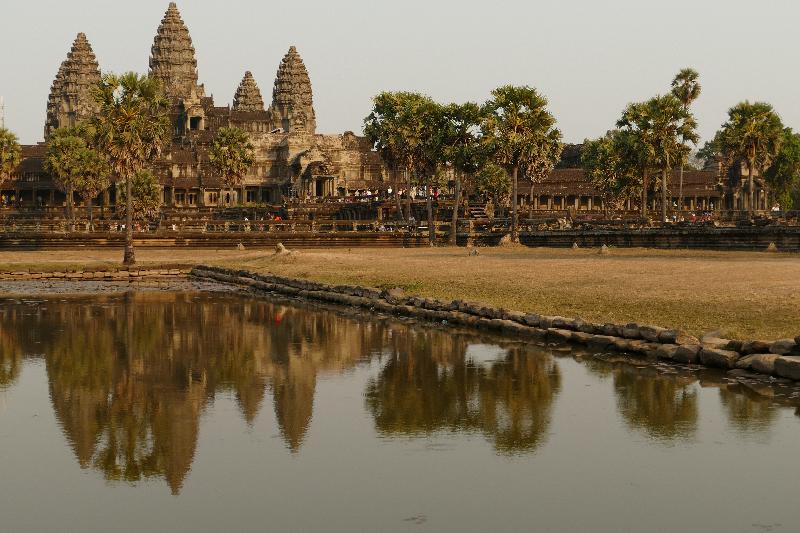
(397, 201)
(664, 172)
(750, 181)
(454, 220)
(645, 183)
(431, 228)
(514, 231)
(680, 189)
(530, 201)
(130, 256)
(409, 201)
(91, 218)
(71, 208)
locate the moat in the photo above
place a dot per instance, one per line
(196, 411)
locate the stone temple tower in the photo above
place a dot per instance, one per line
(248, 96)
(71, 100)
(172, 58)
(292, 103)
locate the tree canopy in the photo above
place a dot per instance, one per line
(10, 154)
(231, 155)
(131, 130)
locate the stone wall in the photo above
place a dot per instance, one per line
(771, 360)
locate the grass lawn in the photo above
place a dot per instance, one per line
(743, 294)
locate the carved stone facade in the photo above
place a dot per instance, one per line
(248, 95)
(71, 99)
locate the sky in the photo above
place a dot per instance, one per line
(588, 57)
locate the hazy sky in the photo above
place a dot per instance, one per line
(589, 57)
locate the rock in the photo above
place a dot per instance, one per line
(674, 336)
(604, 250)
(667, 351)
(751, 347)
(545, 322)
(761, 363)
(474, 252)
(601, 341)
(797, 340)
(240, 247)
(716, 342)
(650, 333)
(575, 246)
(281, 249)
(559, 335)
(717, 357)
(560, 322)
(788, 366)
(782, 347)
(612, 330)
(532, 320)
(631, 331)
(687, 353)
(394, 295)
(772, 248)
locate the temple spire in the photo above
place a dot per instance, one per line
(71, 98)
(172, 58)
(292, 100)
(248, 96)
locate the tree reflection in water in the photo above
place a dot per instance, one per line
(129, 378)
(427, 385)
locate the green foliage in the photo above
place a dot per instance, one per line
(145, 196)
(519, 131)
(401, 128)
(232, 154)
(131, 128)
(493, 181)
(686, 87)
(10, 154)
(74, 164)
(458, 140)
(784, 173)
(610, 169)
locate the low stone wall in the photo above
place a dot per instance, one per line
(132, 274)
(780, 359)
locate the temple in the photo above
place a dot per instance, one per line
(292, 159)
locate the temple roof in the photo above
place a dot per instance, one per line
(71, 91)
(172, 58)
(248, 96)
(292, 84)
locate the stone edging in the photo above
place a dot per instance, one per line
(778, 358)
(99, 275)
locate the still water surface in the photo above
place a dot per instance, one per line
(208, 412)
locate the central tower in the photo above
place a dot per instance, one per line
(292, 101)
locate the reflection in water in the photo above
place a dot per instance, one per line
(130, 376)
(428, 384)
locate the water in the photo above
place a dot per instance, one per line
(207, 412)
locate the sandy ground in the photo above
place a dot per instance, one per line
(742, 294)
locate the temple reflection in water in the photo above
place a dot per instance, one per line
(130, 376)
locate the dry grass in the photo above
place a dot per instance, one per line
(744, 294)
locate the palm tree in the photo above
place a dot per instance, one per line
(516, 127)
(131, 129)
(10, 154)
(232, 154)
(636, 145)
(63, 161)
(686, 88)
(462, 148)
(753, 134)
(672, 126)
(76, 166)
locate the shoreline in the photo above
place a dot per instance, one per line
(360, 305)
(776, 359)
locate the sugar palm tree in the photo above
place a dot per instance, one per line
(231, 155)
(10, 154)
(516, 126)
(672, 127)
(686, 88)
(753, 134)
(462, 148)
(131, 130)
(636, 145)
